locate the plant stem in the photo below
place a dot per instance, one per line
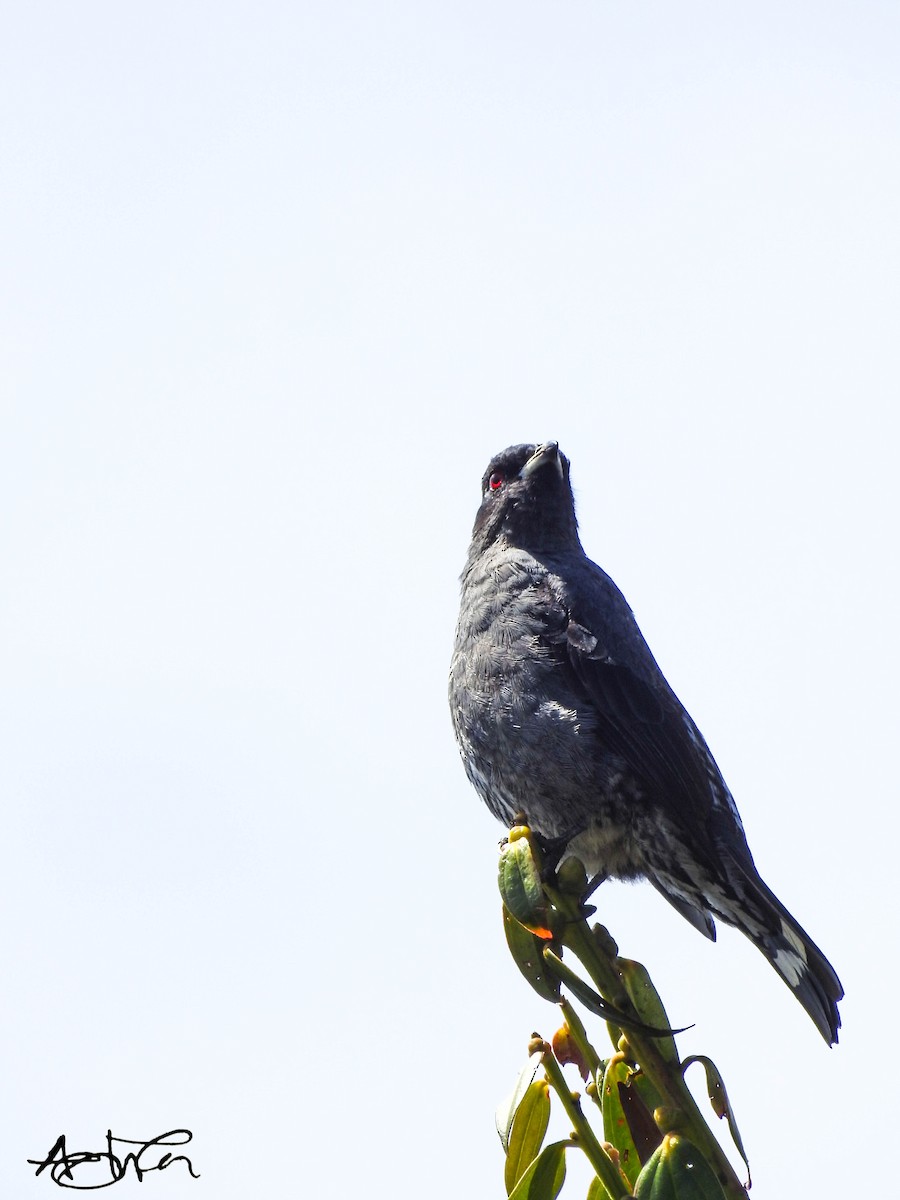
(666, 1076)
(604, 1166)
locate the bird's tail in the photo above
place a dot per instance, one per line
(790, 950)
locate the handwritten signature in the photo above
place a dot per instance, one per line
(62, 1165)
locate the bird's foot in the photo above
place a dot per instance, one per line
(552, 851)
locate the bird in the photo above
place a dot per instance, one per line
(562, 714)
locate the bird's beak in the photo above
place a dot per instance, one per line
(547, 452)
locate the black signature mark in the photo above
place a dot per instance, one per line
(62, 1165)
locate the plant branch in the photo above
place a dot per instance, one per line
(666, 1076)
(604, 1166)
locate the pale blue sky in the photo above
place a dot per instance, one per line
(279, 280)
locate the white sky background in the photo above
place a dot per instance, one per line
(278, 280)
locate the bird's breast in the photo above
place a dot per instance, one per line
(527, 741)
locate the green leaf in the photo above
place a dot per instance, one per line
(526, 950)
(506, 1111)
(615, 1126)
(627, 1123)
(544, 1178)
(528, 1131)
(597, 1191)
(645, 998)
(594, 1001)
(677, 1171)
(520, 884)
(718, 1098)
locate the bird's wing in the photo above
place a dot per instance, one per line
(642, 719)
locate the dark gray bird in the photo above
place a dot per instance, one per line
(561, 713)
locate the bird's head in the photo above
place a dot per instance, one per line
(526, 499)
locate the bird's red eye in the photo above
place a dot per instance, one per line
(495, 481)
